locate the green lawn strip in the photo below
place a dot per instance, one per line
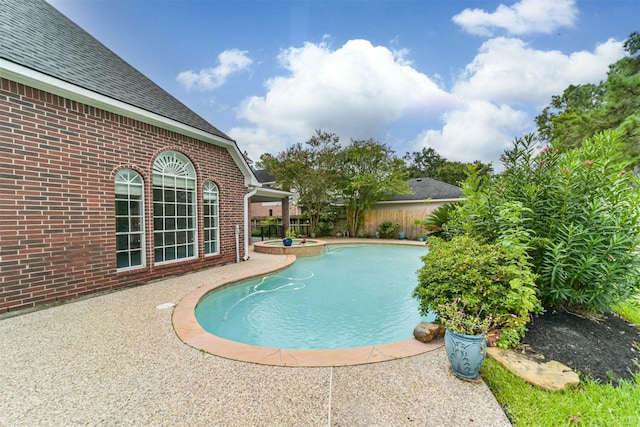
(630, 310)
(590, 404)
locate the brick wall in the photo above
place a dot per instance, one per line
(58, 160)
(261, 210)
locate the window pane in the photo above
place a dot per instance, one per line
(121, 189)
(135, 242)
(182, 251)
(182, 223)
(135, 191)
(134, 207)
(122, 224)
(136, 257)
(136, 224)
(122, 207)
(157, 209)
(122, 260)
(169, 238)
(121, 242)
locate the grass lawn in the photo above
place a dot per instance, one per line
(590, 404)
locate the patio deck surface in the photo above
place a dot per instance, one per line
(116, 360)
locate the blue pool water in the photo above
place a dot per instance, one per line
(352, 296)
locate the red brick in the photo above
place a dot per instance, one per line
(57, 206)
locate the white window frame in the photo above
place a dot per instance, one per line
(130, 229)
(175, 213)
(210, 197)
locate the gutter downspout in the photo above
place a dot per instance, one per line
(247, 228)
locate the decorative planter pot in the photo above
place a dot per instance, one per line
(466, 353)
(287, 242)
(402, 235)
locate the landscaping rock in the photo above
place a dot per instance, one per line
(427, 332)
(552, 375)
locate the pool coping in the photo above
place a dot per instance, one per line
(188, 329)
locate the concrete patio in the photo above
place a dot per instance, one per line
(115, 360)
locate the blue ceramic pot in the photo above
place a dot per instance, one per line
(466, 353)
(287, 242)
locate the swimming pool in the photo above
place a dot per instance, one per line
(351, 296)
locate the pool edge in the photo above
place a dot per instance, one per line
(191, 333)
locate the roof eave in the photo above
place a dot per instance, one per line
(29, 77)
(386, 202)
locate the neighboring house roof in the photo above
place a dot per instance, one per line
(264, 177)
(428, 188)
(35, 35)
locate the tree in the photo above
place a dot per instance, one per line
(423, 163)
(428, 163)
(584, 110)
(309, 170)
(369, 172)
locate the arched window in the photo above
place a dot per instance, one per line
(211, 219)
(174, 208)
(129, 195)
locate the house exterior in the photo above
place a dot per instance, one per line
(267, 215)
(427, 195)
(106, 180)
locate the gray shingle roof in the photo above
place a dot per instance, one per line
(37, 36)
(264, 177)
(429, 188)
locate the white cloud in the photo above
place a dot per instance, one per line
(354, 91)
(478, 131)
(256, 141)
(524, 17)
(361, 91)
(507, 73)
(508, 70)
(229, 62)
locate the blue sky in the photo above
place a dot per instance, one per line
(462, 76)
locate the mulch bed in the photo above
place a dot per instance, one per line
(606, 349)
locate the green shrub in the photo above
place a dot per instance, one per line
(491, 275)
(387, 228)
(576, 211)
(440, 220)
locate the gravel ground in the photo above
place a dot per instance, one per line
(115, 360)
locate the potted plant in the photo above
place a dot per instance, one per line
(473, 286)
(465, 337)
(290, 235)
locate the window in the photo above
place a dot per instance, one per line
(129, 220)
(211, 218)
(174, 208)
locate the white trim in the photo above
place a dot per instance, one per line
(247, 225)
(17, 73)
